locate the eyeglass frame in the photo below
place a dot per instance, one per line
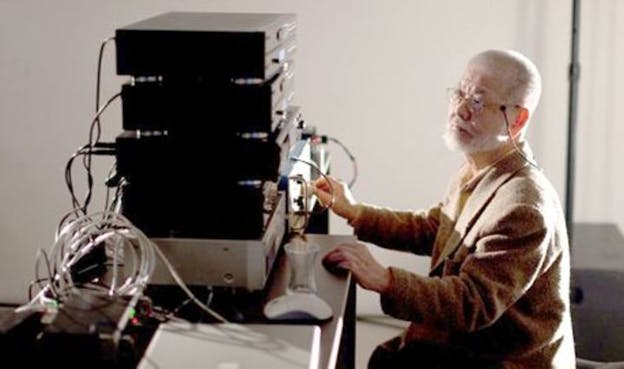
(456, 97)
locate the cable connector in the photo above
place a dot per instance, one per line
(105, 145)
(104, 148)
(113, 180)
(314, 138)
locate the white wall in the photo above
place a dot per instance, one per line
(600, 177)
(370, 73)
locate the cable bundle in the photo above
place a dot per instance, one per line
(101, 253)
(123, 252)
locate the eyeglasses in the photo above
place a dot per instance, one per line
(475, 104)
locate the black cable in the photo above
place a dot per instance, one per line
(69, 181)
(87, 159)
(108, 188)
(99, 73)
(95, 124)
(97, 89)
(96, 120)
(86, 150)
(118, 193)
(503, 109)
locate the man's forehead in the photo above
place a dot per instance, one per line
(482, 80)
(474, 85)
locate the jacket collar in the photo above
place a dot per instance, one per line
(493, 177)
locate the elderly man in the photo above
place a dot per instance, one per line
(497, 292)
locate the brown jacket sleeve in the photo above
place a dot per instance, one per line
(398, 230)
(511, 252)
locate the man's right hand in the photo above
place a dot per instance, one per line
(344, 203)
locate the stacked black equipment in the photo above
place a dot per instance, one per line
(205, 121)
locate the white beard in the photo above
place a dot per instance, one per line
(457, 142)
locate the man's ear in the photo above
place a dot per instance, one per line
(522, 117)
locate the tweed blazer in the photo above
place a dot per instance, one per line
(499, 281)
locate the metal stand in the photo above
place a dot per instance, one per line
(573, 77)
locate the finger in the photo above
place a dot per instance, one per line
(354, 262)
(322, 191)
(321, 183)
(359, 256)
(345, 265)
(329, 255)
(333, 256)
(345, 255)
(316, 189)
(329, 183)
(353, 257)
(324, 197)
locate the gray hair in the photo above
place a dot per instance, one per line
(525, 82)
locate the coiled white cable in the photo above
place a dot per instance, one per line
(123, 243)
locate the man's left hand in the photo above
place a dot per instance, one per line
(356, 258)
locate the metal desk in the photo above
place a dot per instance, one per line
(337, 348)
(338, 290)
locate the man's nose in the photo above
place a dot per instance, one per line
(462, 111)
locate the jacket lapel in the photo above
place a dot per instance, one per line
(495, 177)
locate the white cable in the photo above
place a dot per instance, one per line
(185, 288)
(80, 237)
(307, 212)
